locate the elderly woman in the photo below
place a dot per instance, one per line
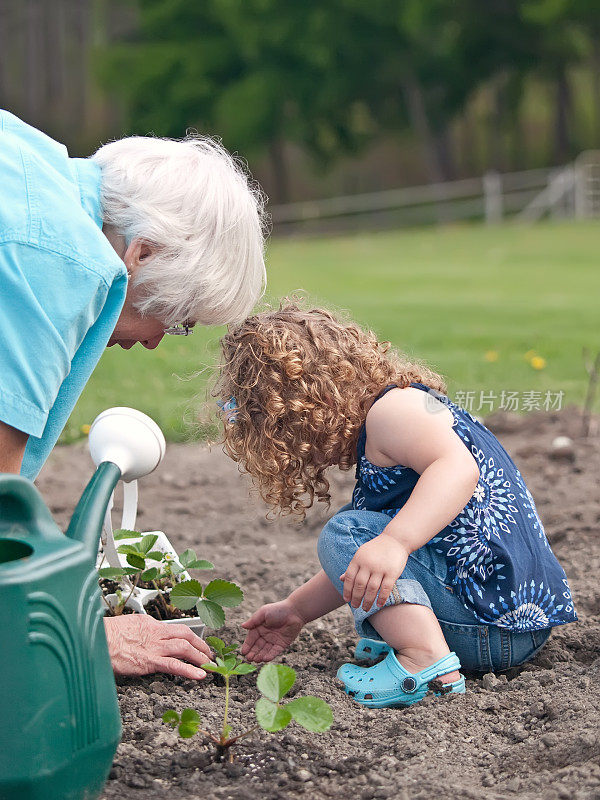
(147, 237)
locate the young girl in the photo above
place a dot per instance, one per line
(441, 555)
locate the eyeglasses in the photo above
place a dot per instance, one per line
(181, 329)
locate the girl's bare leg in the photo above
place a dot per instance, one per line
(415, 634)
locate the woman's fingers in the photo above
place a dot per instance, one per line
(184, 632)
(172, 666)
(179, 648)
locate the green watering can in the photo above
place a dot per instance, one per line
(59, 723)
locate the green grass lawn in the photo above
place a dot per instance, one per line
(446, 295)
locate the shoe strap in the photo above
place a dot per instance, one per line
(446, 664)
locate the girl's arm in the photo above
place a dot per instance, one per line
(274, 627)
(315, 598)
(412, 428)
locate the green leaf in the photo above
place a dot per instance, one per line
(210, 613)
(155, 555)
(190, 722)
(230, 663)
(311, 712)
(224, 593)
(275, 680)
(187, 556)
(148, 542)
(126, 549)
(201, 563)
(150, 574)
(136, 561)
(187, 730)
(185, 595)
(123, 533)
(190, 715)
(218, 645)
(190, 560)
(111, 572)
(227, 731)
(270, 717)
(230, 649)
(171, 717)
(244, 669)
(215, 668)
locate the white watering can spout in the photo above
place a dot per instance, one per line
(134, 442)
(129, 439)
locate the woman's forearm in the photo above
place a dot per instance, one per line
(12, 448)
(440, 494)
(316, 597)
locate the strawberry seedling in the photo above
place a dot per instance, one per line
(274, 682)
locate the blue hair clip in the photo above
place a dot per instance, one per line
(230, 408)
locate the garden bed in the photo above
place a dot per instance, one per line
(530, 734)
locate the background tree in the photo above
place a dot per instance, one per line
(257, 72)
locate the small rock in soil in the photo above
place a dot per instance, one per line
(302, 775)
(489, 681)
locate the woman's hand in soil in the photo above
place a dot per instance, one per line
(271, 630)
(375, 568)
(139, 644)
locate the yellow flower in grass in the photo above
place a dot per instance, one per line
(491, 356)
(537, 362)
(85, 429)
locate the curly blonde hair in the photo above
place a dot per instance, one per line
(303, 382)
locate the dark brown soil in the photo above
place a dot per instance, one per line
(156, 609)
(531, 734)
(108, 586)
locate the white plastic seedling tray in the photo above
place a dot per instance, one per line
(141, 597)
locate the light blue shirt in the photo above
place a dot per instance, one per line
(62, 286)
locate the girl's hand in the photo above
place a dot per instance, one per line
(376, 567)
(271, 630)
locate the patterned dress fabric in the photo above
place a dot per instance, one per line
(499, 560)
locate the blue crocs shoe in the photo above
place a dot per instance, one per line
(370, 649)
(388, 684)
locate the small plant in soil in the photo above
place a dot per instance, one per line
(274, 681)
(174, 595)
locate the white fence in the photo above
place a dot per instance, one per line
(569, 191)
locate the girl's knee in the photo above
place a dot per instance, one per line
(343, 534)
(328, 545)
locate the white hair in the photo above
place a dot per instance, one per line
(195, 205)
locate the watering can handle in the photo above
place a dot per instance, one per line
(20, 501)
(86, 523)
